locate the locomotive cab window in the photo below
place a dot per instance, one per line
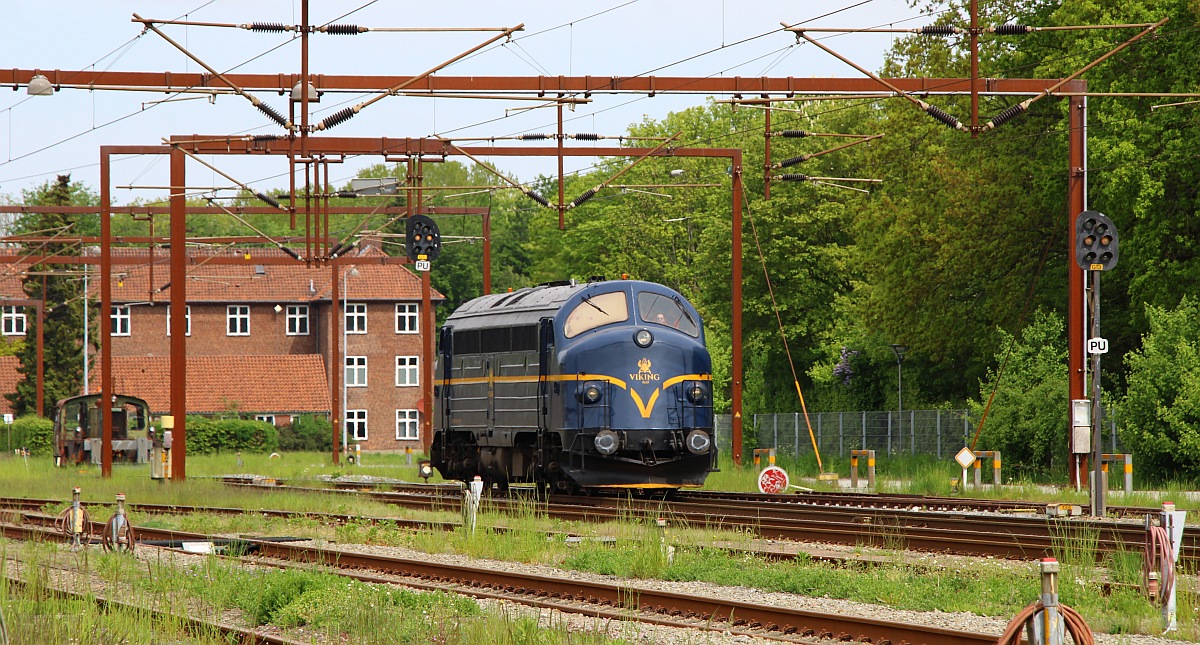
(596, 311)
(663, 310)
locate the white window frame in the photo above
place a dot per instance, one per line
(410, 313)
(356, 425)
(15, 322)
(237, 314)
(187, 317)
(299, 315)
(355, 317)
(120, 313)
(356, 365)
(410, 368)
(269, 418)
(408, 425)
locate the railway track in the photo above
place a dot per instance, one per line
(600, 599)
(195, 625)
(904, 526)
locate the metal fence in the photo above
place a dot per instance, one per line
(932, 432)
(937, 432)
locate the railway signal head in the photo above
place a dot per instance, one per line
(422, 239)
(1095, 241)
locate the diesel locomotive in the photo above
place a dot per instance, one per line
(575, 387)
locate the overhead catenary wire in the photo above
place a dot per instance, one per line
(349, 113)
(254, 100)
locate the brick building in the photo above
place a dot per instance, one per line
(259, 340)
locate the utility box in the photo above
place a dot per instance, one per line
(1081, 426)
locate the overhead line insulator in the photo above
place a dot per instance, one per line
(791, 161)
(1012, 30)
(940, 30)
(591, 192)
(343, 30)
(791, 177)
(586, 136)
(941, 115)
(290, 252)
(270, 27)
(537, 198)
(268, 199)
(271, 113)
(792, 134)
(534, 136)
(341, 116)
(1008, 114)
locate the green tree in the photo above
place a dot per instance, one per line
(62, 296)
(1160, 413)
(1028, 421)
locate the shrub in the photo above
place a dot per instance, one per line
(1161, 410)
(307, 433)
(208, 436)
(1029, 413)
(33, 432)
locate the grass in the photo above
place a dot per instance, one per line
(634, 546)
(309, 605)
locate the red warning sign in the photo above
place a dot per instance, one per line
(772, 479)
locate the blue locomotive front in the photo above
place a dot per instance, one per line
(604, 384)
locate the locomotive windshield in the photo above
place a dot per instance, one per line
(667, 311)
(595, 311)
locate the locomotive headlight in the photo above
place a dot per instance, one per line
(643, 338)
(695, 393)
(607, 442)
(698, 442)
(591, 393)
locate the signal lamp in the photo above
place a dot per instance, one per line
(422, 239)
(1096, 241)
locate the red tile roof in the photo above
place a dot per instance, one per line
(9, 376)
(366, 280)
(281, 384)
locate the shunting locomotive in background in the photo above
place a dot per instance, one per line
(575, 386)
(78, 433)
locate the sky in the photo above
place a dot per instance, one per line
(43, 136)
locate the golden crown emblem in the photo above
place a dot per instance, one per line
(644, 365)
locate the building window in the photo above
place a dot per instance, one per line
(269, 418)
(406, 319)
(356, 318)
(406, 371)
(187, 320)
(237, 320)
(297, 320)
(356, 371)
(356, 424)
(120, 320)
(14, 321)
(406, 425)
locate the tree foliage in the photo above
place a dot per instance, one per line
(1160, 413)
(1028, 415)
(62, 296)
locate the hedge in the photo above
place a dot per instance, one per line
(209, 436)
(32, 432)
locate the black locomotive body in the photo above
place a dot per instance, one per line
(575, 386)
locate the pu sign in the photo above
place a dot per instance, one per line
(1097, 346)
